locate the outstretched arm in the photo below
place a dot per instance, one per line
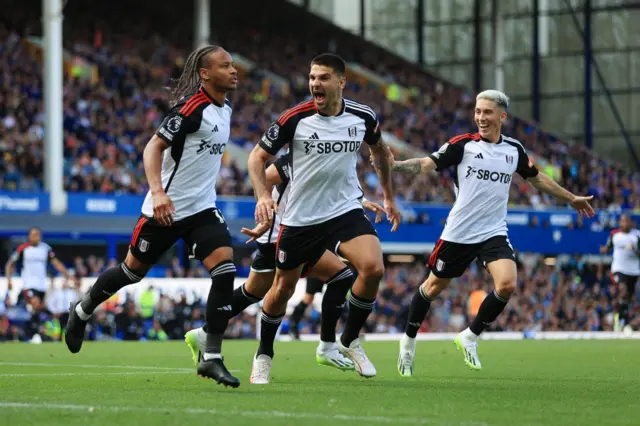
(547, 185)
(414, 166)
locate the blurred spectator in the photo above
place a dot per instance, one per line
(106, 125)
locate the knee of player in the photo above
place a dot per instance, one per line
(433, 286)
(506, 287)
(372, 270)
(138, 268)
(283, 289)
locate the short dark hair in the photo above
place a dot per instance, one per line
(35, 228)
(332, 61)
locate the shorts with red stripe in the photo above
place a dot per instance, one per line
(299, 245)
(264, 260)
(450, 260)
(203, 233)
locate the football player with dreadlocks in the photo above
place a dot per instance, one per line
(181, 163)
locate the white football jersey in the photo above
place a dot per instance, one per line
(197, 130)
(482, 178)
(626, 249)
(279, 195)
(323, 153)
(35, 260)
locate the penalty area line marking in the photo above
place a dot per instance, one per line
(241, 413)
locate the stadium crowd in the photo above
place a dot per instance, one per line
(571, 297)
(108, 120)
(109, 115)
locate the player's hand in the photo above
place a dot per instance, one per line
(264, 210)
(393, 214)
(163, 209)
(256, 232)
(375, 208)
(9, 284)
(603, 249)
(582, 206)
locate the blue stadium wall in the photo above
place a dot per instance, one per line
(112, 218)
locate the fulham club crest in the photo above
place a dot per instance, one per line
(509, 159)
(440, 265)
(282, 256)
(353, 132)
(143, 245)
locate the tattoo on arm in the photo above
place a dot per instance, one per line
(413, 166)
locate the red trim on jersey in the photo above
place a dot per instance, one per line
(303, 107)
(615, 231)
(22, 246)
(188, 104)
(472, 136)
(192, 104)
(434, 255)
(137, 229)
(458, 138)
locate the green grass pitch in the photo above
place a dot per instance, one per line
(522, 383)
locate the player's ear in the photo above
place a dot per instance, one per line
(343, 82)
(204, 74)
(503, 115)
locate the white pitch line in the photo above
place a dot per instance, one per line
(242, 413)
(110, 373)
(118, 367)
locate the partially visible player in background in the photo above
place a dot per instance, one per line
(625, 268)
(314, 286)
(35, 256)
(181, 163)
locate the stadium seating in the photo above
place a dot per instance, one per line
(107, 123)
(109, 116)
(577, 297)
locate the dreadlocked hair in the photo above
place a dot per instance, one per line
(189, 80)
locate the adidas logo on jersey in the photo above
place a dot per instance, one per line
(215, 128)
(479, 156)
(314, 136)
